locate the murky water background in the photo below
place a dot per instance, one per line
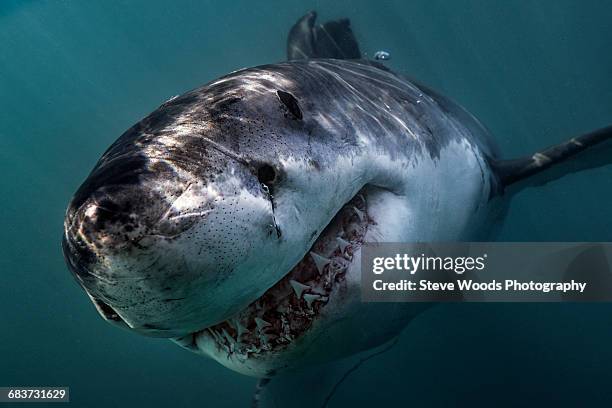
(75, 74)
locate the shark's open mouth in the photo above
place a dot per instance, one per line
(289, 308)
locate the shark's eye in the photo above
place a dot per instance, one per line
(266, 174)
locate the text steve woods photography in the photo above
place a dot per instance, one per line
(487, 272)
(458, 265)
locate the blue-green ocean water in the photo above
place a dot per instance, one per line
(75, 74)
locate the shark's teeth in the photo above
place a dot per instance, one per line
(298, 287)
(230, 340)
(359, 213)
(241, 357)
(253, 349)
(311, 298)
(320, 261)
(230, 323)
(261, 323)
(342, 243)
(240, 329)
(286, 327)
(263, 339)
(215, 336)
(317, 289)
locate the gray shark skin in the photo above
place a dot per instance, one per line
(231, 218)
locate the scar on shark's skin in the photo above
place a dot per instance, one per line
(290, 103)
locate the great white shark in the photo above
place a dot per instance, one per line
(230, 219)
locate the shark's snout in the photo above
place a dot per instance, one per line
(116, 229)
(153, 242)
(122, 207)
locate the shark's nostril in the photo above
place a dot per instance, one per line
(107, 212)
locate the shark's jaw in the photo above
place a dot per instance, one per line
(287, 310)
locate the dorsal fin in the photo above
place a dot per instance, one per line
(334, 39)
(584, 152)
